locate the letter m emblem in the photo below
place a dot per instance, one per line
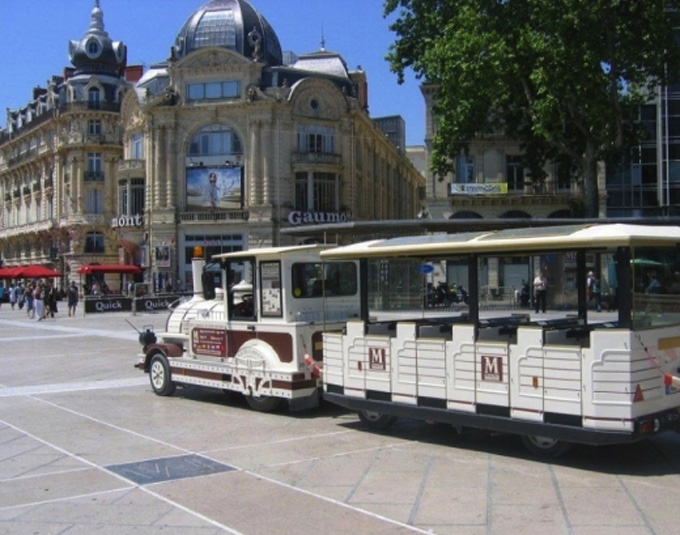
(492, 369)
(377, 358)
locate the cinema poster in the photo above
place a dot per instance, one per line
(214, 188)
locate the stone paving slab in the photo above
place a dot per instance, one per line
(73, 407)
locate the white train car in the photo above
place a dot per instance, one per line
(592, 368)
(260, 334)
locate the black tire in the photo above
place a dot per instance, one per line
(160, 376)
(263, 403)
(545, 447)
(376, 420)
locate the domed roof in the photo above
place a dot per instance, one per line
(232, 24)
(96, 53)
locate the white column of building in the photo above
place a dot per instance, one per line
(76, 186)
(171, 177)
(255, 167)
(267, 163)
(161, 179)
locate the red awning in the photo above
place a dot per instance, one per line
(29, 272)
(38, 272)
(9, 272)
(109, 268)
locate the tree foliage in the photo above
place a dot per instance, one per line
(563, 77)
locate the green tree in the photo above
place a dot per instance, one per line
(563, 77)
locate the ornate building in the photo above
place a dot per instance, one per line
(490, 182)
(58, 159)
(221, 145)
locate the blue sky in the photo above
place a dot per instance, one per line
(34, 40)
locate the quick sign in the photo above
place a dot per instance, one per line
(104, 304)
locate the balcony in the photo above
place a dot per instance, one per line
(132, 169)
(95, 106)
(93, 176)
(127, 165)
(203, 217)
(325, 158)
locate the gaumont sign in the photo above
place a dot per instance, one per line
(124, 221)
(297, 217)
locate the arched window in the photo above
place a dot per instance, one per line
(215, 140)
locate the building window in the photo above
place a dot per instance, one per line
(123, 205)
(94, 242)
(136, 147)
(215, 140)
(94, 201)
(214, 90)
(315, 138)
(94, 171)
(317, 192)
(131, 197)
(94, 127)
(93, 99)
(465, 170)
(514, 173)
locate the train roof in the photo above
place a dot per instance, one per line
(515, 240)
(272, 252)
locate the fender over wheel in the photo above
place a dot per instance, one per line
(263, 403)
(160, 376)
(545, 447)
(376, 420)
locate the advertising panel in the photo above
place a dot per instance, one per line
(214, 188)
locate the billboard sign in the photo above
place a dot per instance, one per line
(214, 188)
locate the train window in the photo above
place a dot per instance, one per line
(333, 279)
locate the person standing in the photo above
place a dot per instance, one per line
(72, 296)
(39, 301)
(540, 291)
(28, 297)
(13, 297)
(594, 291)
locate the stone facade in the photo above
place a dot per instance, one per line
(221, 146)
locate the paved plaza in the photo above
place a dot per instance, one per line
(86, 448)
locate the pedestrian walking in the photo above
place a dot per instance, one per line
(72, 296)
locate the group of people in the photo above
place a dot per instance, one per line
(40, 298)
(594, 291)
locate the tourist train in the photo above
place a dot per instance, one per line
(356, 322)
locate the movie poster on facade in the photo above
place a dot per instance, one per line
(214, 188)
(163, 256)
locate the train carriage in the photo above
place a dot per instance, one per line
(580, 372)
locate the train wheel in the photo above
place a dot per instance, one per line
(376, 420)
(263, 403)
(548, 448)
(159, 376)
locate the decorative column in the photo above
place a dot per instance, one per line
(171, 178)
(267, 166)
(161, 181)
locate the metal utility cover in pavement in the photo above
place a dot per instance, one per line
(168, 469)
